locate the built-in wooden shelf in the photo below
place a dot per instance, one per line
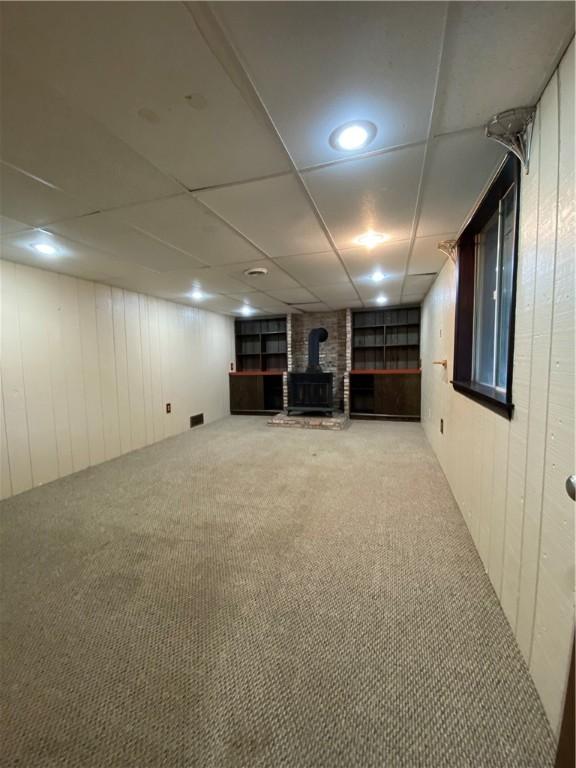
(261, 358)
(261, 345)
(385, 375)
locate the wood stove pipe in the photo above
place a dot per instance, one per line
(315, 337)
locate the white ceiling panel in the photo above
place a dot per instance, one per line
(319, 65)
(315, 269)
(498, 56)
(390, 289)
(185, 224)
(274, 213)
(460, 166)
(107, 234)
(47, 136)
(375, 193)
(390, 259)
(338, 296)
(72, 258)
(414, 298)
(425, 254)
(8, 226)
(317, 306)
(260, 300)
(145, 72)
(293, 295)
(418, 284)
(33, 202)
(276, 278)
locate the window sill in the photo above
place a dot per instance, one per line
(489, 396)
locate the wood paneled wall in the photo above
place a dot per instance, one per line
(87, 371)
(508, 477)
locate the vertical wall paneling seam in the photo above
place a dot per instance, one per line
(51, 309)
(127, 372)
(115, 356)
(149, 314)
(145, 430)
(505, 511)
(547, 411)
(6, 436)
(17, 289)
(66, 383)
(531, 367)
(100, 397)
(82, 359)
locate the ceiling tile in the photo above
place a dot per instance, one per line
(315, 269)
(48, 137)
(182, 222)
(313, 307)
(512, 46)
(425, 254)
(274, 213)
(340, 292)
(375, 193)
(33, 202)
(8, 226)
(293, 295)
(339, 62)
(390, 259)
(275, 279)
(416, 298)
(390, 289)
(261, 301)
(106, 233)
(338, 296)
(154, 83)
(418, 284)
(72, 258)
(460, 166)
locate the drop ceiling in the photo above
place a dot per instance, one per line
(163, 146)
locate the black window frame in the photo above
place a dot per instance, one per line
(497, 400)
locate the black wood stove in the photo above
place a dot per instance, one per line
(311, 391)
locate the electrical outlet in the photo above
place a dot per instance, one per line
(168, 407)
(441, 426)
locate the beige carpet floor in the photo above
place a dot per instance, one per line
(248, 596)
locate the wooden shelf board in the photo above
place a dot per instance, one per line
(256, 373)
(385, 371)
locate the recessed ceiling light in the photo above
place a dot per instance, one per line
(381, 299)
(352, 136)
(370, 239)
(197, 294)
(377, 276)
(246, 309)
(45, 249)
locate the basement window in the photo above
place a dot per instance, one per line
(487, 257)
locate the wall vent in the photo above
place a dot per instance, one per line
(195, 421)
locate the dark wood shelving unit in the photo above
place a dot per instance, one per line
(385, 380)
(261, 357)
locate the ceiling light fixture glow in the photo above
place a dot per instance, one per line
(381, 299)
(377, 276)
(197, 294)
(246, 310)
(45, 249)
(371, 239)
(353, 136)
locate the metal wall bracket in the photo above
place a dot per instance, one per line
(448, 248)
(513, 129)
